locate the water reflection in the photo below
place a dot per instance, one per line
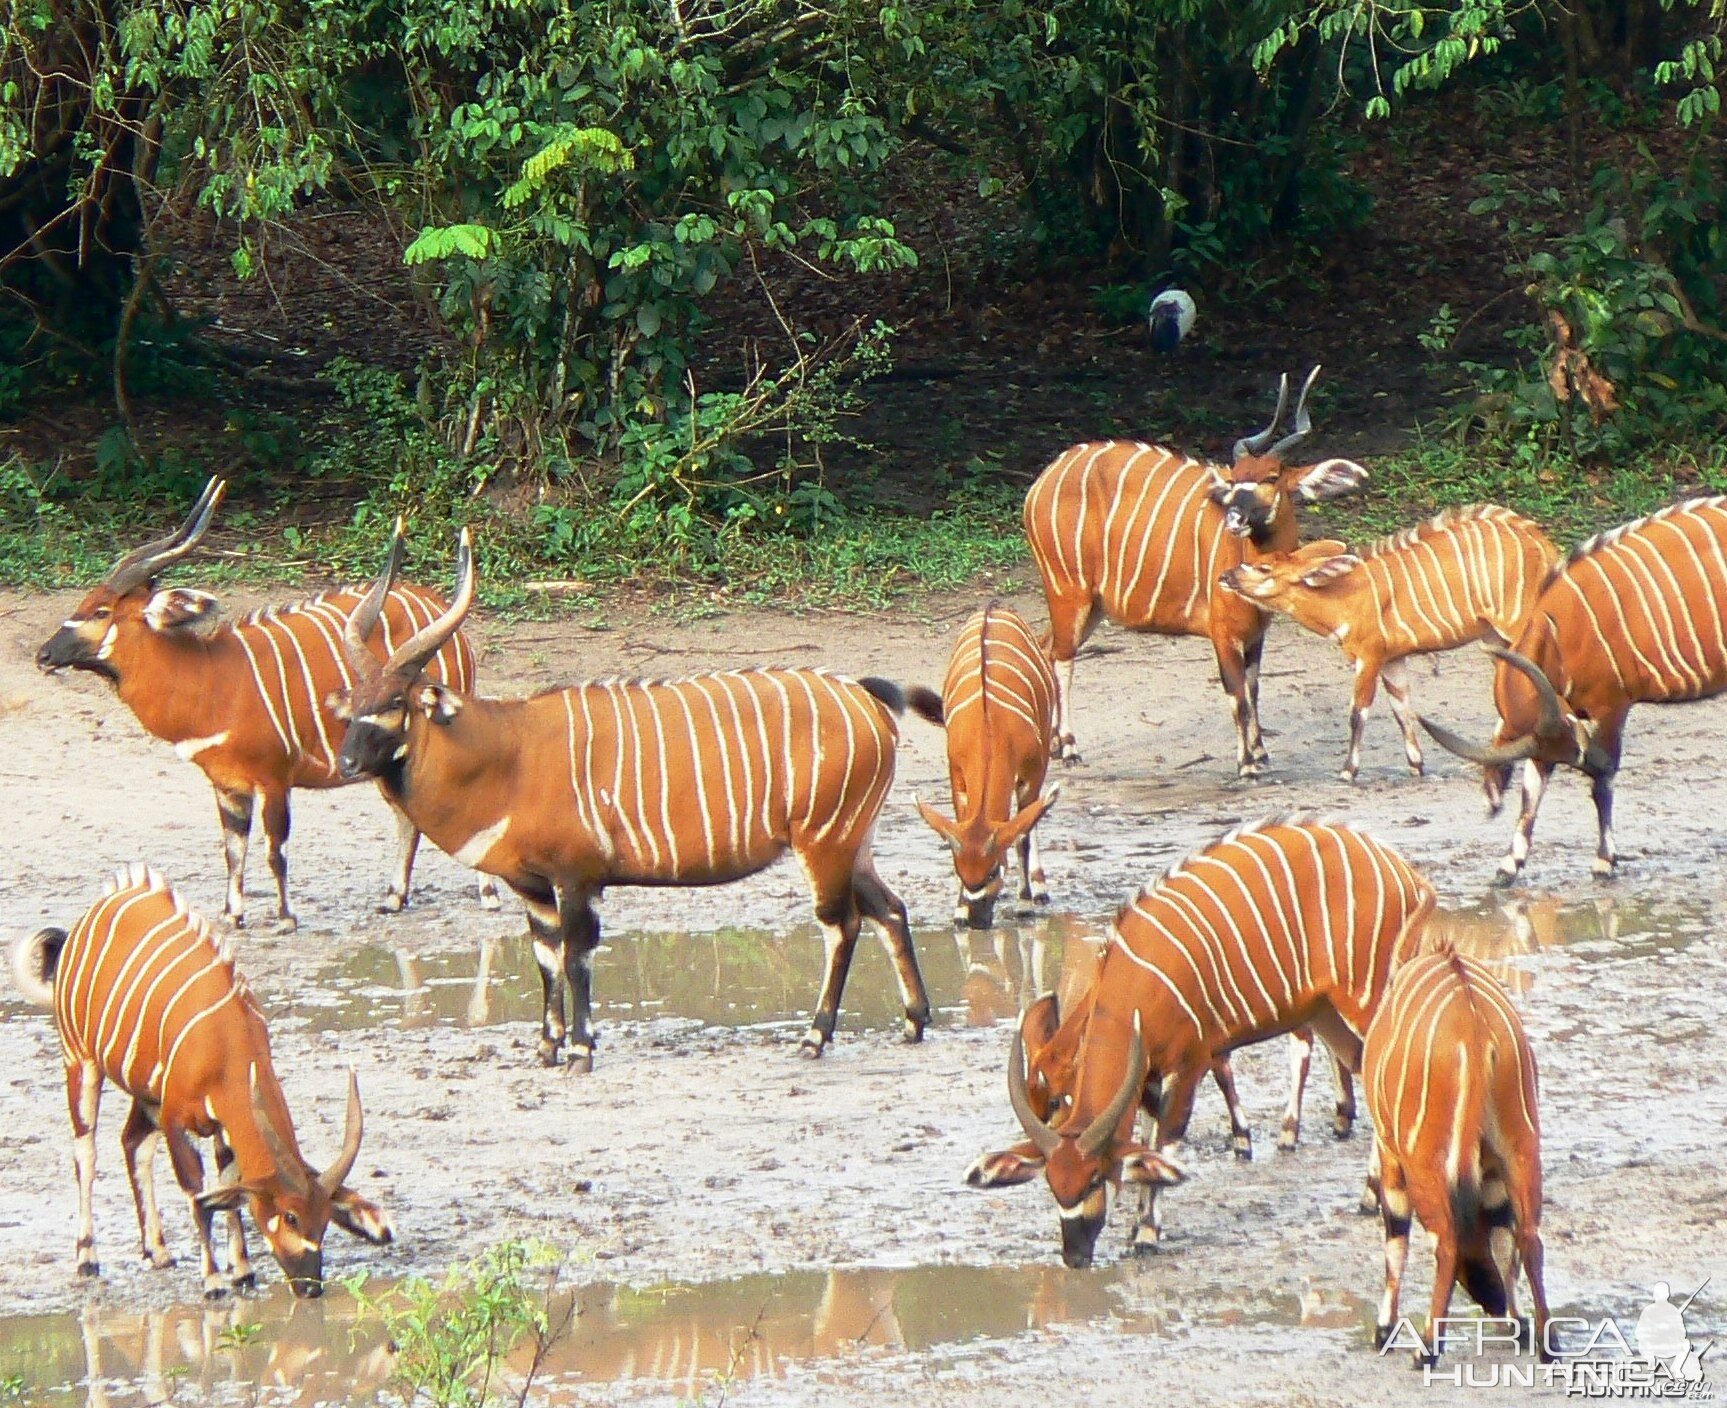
(276, 1350)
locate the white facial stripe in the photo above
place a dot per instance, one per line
(107, 647)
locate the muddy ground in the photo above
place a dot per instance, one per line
(703, 1150)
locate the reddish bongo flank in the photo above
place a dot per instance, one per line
(1141, 534)
(1451, 1084)
(143, 996)
(1471, 573)
(1637, 615)
(248, 702)
(628, 782)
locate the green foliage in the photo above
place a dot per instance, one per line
(452, 1336)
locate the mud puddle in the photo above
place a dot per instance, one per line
(729, 977)
(690, 1339)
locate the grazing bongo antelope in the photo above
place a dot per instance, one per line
(1275, 926)
(1143, 534)
(143, 996)
(1469, 573)
(1633, 616)
(998, 702)
(623, 782)
(1450, 1082)
(1052, 1051)
(246, 702)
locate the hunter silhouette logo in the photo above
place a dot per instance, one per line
(1594, 1358)
(1661, 1336)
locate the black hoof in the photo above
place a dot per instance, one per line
(216, 1293)
(248, 1282)
(1381, 1335)
(90, 1268)
(581, 1063)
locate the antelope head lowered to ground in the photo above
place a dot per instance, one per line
(1637, 615)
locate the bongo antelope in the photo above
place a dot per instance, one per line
(1052, 1054)
(1275, 926)
(143, 996)
(246, 702)
(624, 782)
(1633, 616)
(1450, 1082)
(998, 702)
(1143, 533)
(1468, 573)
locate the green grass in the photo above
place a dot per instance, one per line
(1571, 502)
(856, 560)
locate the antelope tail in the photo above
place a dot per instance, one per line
(33, 963)
(925, 703)
(1475, 1268)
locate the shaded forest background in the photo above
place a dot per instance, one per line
(706, 288)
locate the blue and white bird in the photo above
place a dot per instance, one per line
(1171, 317)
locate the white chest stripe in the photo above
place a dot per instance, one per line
(190, 748)
(478, 846)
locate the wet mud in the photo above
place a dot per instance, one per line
(746, 1226)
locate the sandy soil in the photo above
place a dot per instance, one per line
(699, 1151)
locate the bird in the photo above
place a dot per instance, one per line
(1171, 317)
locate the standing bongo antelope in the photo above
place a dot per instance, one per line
(247, 702)
(998, 702)
(1450, 1082)
(143, 996)
(1637, 615)
(1276, 926)
(1143, 534)
(624, 782)
(1470, 572)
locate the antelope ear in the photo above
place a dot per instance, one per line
(1321, 547)
(178, 607)
(438, 704)
(1005, 1168)
(1219, 487)
(362, 1218)
(1039, 1022)
(938, 823)
(1029, 815)
(230, 1197)
(1140, 1165)
(1329, 479)
(1330, 570)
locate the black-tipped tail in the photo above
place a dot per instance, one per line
(34, 961)
(925, 703)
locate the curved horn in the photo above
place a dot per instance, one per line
(1040, 1134)
(1255, 444)
(1486, 755)
(290, 1167)
(364, 617)
(336, 1174)
(429, 640)
(1102, 1129)
(141, 564)
(1552, 711)
(1303, 425)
